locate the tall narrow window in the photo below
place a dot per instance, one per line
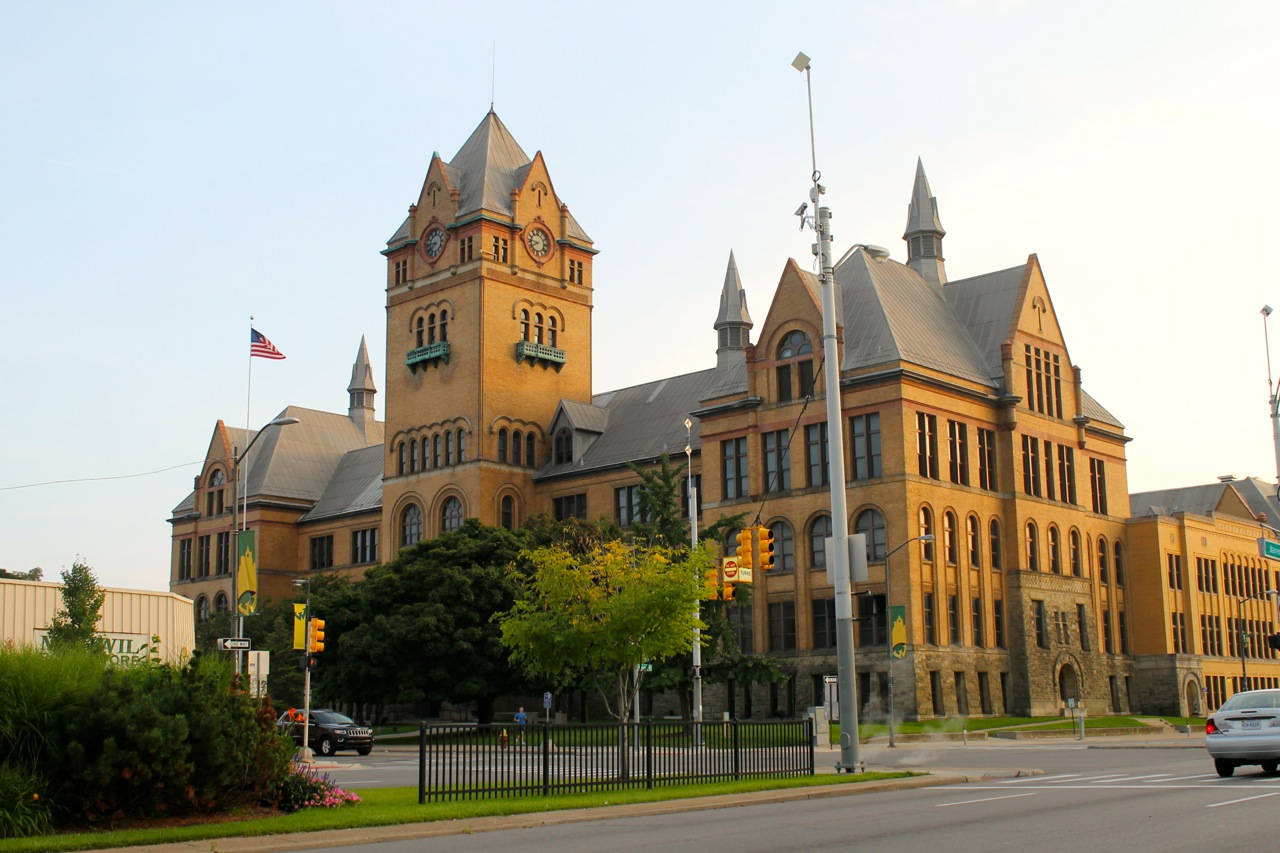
(1042, 624)
(987, 459)
(524, 325)
(530, 445)
(975, 619)
(462, 445)
(451, 514)
(777, 461)
(870, 523)
(1104, 576)
(733, 467)
(1031, 465)
(818, 533)
(927, 445)
(401, 458)
(1033, 548)
(537, 328)
(1119, 565)
(1055, 551)
(953, 619)
(444, 325)
(993, 541)
(563, 446)
(413, 455)
(448, 448)
(553, 337)
(782, 626)
(517, 447)
(784, 547)
(815, 441)
(973, 539)
(930, 620)
(1077, 559)
(951, 550)
(926, 529)
(508, 512)
(1082, 625)
(502, 445)
(997, 622)
(1067, 473)
(1098, 485)
(418, 332)
(410, 525)
(864, 431)
(958, 451)
(431, 328)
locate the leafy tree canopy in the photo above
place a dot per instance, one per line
(82, 598)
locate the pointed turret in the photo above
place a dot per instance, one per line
(487, 167)
(733, 323)
(924, 231)
(361, 390)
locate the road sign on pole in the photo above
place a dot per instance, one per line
(235, 644)
(1269, 549)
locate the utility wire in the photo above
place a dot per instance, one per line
(97, 479)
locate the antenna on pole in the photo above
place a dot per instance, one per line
(493, 72)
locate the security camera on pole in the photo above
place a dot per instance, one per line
(845, 671)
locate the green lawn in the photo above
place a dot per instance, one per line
(989, 724)
(383, 806)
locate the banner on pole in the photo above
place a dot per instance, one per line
(299, 626)
(898, 631)
(246, 574)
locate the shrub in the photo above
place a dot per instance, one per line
(22, 810)
(304, 787)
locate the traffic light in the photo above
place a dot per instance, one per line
(764, 548)
(728, 591)
(317, 636)
(744, 547)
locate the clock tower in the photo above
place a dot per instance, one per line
(488, 328)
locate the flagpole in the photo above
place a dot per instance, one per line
(244, 513)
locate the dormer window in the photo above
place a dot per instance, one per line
(213, 498)
(564, 446)
(795, 354)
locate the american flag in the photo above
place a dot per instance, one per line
(261, 347)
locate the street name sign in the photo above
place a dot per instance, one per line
(235, 644)
(1269, 549)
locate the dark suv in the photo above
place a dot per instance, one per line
(330, 732)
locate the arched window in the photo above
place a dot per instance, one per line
(444, 324)
(400, 458)
(537, 328)
(551, 330)
(871, 523)
(451, 515)
(973, 540)
(993, 541)
(564, 446)
(1119, 563)
(517, 446)
(1077, 561)
(795, 348)
(1104, 575)
(431, 328)
(1055, 551)
(794, 344)
(220, 603)
(502, 445)
(530, 443)
(784, 547)
(202, 608)
(524, 325)
(952, 552)
(508, 512)
(435, 451)
(462, 446)
(213, 500)
(818, 533)
(413, 455)
(448, 447)
(1033, 547)
(410, 526)
(926, 529)
(426, 453)
(418, 332)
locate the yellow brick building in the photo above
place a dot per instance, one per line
(964, 418)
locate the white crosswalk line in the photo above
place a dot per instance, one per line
(1154, 777)
(1106, 777)
(985, 799)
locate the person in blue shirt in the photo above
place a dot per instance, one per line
(521, 720)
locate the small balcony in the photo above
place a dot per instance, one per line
(426, 356)
(535, 353)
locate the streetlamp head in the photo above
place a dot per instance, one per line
(688, 423)
(801, 62)
(1266, 310)
(285, 421)
(301, 581)
(928, 537)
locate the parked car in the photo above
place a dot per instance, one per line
(330, 732)
(1245, 730)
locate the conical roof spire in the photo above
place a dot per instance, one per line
(362, 371)
(361, 391)
(924, 231)
(733, 323)
(487, 167)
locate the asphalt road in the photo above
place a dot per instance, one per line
(1103, 796)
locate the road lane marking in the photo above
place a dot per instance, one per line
(984, 800)
(1241, 800)
(1063, 776)
(1106, 777)
(1155, 777)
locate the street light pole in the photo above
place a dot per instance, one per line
(238, 518)
(693, 544)
(927, 537)
(1274, 393)
(306, 673)
(845, 666)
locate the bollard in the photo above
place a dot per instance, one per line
(503, 740)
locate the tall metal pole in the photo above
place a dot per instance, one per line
(693, 545)
(234, 547)
(1241, 638)
(845, 666)
(306, 683)
(1274, 392)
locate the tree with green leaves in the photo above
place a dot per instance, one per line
(82, 598)
(33, 575)
(599, 616)
(659, 498)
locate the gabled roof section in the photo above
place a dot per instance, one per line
(1260, 496)
(892, 314)
(486, 167)
(297, 461)
(1198, 500)
(985, 306)
(644, 421)
(584, 416)
(355, 487)
(1093, 410)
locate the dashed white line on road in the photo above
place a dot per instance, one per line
(984, 800)
(1241, 800)
(1039, 778)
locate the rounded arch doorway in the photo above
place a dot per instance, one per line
(1068, 683)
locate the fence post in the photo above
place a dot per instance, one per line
(546, 758)
(810, 736)
(648, 755)
(737, 764)
(422, 763)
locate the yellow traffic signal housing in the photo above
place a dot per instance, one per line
(728, 591)
(317, 636)
(764, 548)
(745, 545)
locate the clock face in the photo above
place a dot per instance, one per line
(539, 242)
(435, 242)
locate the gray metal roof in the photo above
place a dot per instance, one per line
(892, 314)
(362, 371)
(644, 422)
(297, 461)
(586, 417)
(922, 212)
(1199, 500)
(356, 486)
(733, 299)
(1260, 496)
(984, 305)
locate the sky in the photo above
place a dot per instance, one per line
(169, 170)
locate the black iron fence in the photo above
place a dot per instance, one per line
(460, 761)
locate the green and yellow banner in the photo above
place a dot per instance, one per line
(898, 631)
(246, 574)
(299, 626)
